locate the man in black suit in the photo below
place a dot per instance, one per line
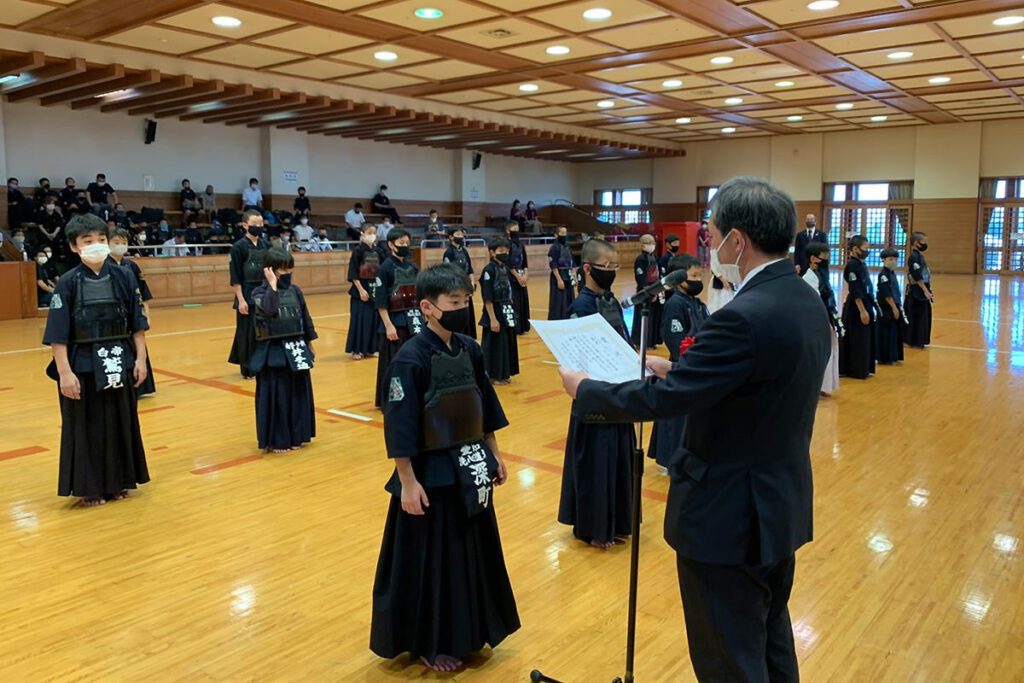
(809, 234)
(740, 498)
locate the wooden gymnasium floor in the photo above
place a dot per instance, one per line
(232, 565)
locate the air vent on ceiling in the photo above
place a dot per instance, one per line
(498, 33)
(704, 93)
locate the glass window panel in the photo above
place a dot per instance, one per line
(607, 198)
(839, 192)
(712, 191)
(994, 227)
(835, 225)
(873, 192)
(993, 260)
(1001, 188)
(631, 197)
(875, 226)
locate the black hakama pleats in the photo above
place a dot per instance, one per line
(285, 416)
(653, 326)
(441, 585)
(245, 341)
(501, 353)
(148, 386)
(597, 481)
(101, 451)
(364, 328)
(918, 330)
(890, 340)
(521, 304)
(857, 347)
(388, 350)
(559, 300)
(471, 321)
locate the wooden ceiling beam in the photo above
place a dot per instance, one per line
(420, 123)
(339, 112)
(48, 73)
(101, 74)
(17, 65)
(258, 97)
(378, 114)
(92, 91)
(287, 103)
(231, 92)
(168, 89)
(204, 92)
(316, 105)
(89, 20)
(401, 118)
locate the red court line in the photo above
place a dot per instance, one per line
(153, 410)
(17, 453)
(224, 465)
(159, 448)
(542, 397)
(6, 388)
(556, 445)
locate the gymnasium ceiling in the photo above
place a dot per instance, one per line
(663, 72)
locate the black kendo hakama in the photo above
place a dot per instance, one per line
(857, 347)
(396, 292)
(563, 267)
(364, 322)
(917, 306)
(460, 258)
(148, 386)
(684, 316)
(441, 585)
(246, 269)
(889, 343)
(101, 451)
(285, 414)
(518, 263)
(597, 475)
(647, 271)
(501, 348)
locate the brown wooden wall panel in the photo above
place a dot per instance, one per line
(805, 207)
(671, 213)
(952, 227)
(17, 282)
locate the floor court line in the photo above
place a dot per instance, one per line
(229, 463)
(21, 452)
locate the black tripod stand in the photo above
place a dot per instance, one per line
(634, 556)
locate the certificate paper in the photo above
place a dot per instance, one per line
(590, 345)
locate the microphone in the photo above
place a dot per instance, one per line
(648, 293)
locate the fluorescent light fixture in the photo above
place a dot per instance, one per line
(844, 106)
(552, 151)
(728, 130)
(1008, 21)
(516, 148)
(7, 79)
(428, 13)
(734, 101)
(879, 119)
(900, 54)
(557, 50)
(605, 104)
(671, 83)
(785, 84)
(683, 119)
(436, 138)
(597, 14)
(112, 93)
(227, 22)
(481, 143)
(939, 80)
(795, 117)
(280, 116)
(385, 56)
(823, 5)
(395, 131)
(529, 87)
(721, 59)
(583, 154)
(205, 106)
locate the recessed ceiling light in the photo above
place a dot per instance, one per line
(939, 80)
(879, 119)
(901, 54)
(428, 13)
(728, 130)
(795, 117)
(227, 22)
(385, 56)
(597, 14)
(557, 50)
(683, 119)
(823, 5)
(844, 106)
(672, 83)
(722, 59)
(785, 84)
(529, 87)
(734, 100)
(1008, 21)
(605, 104)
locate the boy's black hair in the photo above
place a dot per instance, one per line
(300, 189)
(497, 242)
(683, 262)
(917, 237)
(254, 180)
(101, 175)
(444, 278)
(186, 180)
(816, 249)
(179, 233)
(671, 238)
(358, 205)
(12, 180)
(889, 253)
(595, 248)
(858, 241)
(84, 224)
(397, 234)
(452, 229)
(278, 259)
(119, 233)
(432, 211)
(249, 214)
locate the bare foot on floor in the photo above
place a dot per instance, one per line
(443, 663)
(92, 502)
(280, 450)
(357, 356)
(119, 496)
(602, 546)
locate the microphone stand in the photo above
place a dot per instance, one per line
(634, 551)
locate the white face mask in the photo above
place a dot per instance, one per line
(649, 248)
(369, 239)
(41, 260)
(141, 237)
(95, 254)
(119, 249)
(304, 221)
(51, 207)
(730, 272)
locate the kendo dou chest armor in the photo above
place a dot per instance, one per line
(461, 258)
(288, 321)
(370, 265)
(98, 316)
(502, 286)
(453, 409)
(609, 309)
(402, 295)
(252, 269)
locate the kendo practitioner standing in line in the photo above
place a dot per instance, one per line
(397, 306)
(918, 305)
(456, 253)
(671, 250)
(364, 324)
(647, 271)
(285, 415)
(246, 269)
(562, 281)
(816, 276)
(519, 270)
(597, 476)
(498, 322)
(857, 347)
(890, 320)
(441, 590)
(98, 335)
(118, 248)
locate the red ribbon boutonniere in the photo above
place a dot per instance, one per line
(685, 344)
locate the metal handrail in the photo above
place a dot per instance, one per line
(198, 249)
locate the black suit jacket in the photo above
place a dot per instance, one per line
(799, 248)
(741, 489)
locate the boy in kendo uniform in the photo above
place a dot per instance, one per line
(498, 322)
(890, 319)
(918, 304)
(246, 270)
(647, 271)
(364, 323)
(397, 305)
(857, 347)
(562, 281)
(457, 254)
(519, 270)
(597, 476)
(441, 590)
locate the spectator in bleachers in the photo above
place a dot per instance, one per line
(161, 233)
(16, 204)
(46, 278)
(140, 238)
(192, 232)
(42, 190)
(68, 197)
(102, 196)
(383, 229)
(303, 232)
(209, 202)
(301, 206)
(436, 231)
(320, 242)
(51, 223)
(532, 220)
(382, 205)
(218, 236)
(82, 205)
(252, 198)
(517, 214)
(176, 245)
(18, 239)
(190, 203)
(354, 220)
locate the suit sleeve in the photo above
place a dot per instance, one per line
(720, 361)
(914, 268)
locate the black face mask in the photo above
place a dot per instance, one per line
(694, 287)
(454, 321)
(602, 278)
(823, 264)
(284, 281)
(864, 253)
(501, 258)
(403, 252)
(459, 241)
(922, 247)
(809, 224)
(673, 248)
(254, 230)
(513, 235)
(562, 239)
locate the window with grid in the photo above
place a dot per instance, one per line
(878, 210)
(624, 205)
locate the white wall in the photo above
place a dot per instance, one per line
(511, 178)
